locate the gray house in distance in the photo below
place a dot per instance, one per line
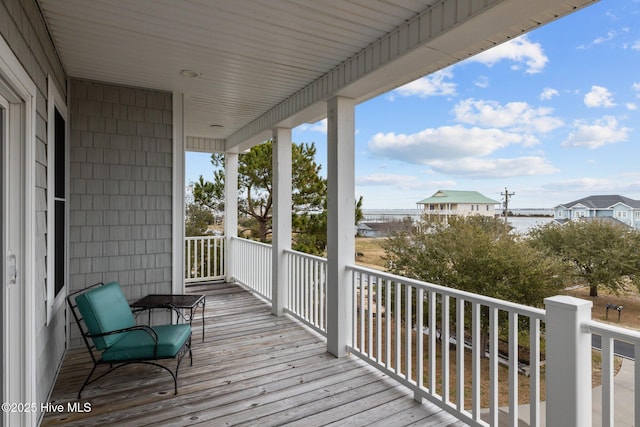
(621, 208)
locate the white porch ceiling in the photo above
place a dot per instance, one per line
(256, 57)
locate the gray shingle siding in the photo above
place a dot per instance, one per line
(121, 165)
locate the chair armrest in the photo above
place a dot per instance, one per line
(147, 329)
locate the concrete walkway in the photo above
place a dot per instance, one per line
(623, 394)
(623, 397)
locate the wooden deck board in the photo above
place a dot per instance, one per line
(253, 369)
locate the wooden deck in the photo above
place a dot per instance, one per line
(253, 369)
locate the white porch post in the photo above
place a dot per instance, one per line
(340, 221)
(568, 360)
(230, 209)
(281, 222)
(178, 233)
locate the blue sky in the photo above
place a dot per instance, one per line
(552, 115)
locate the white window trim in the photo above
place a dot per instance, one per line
(55, 101)
(13, 73)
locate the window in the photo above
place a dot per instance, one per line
(57, 200)
(621, 214)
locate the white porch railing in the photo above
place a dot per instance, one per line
(411, 341)
(252, 265)
(308, 289)
(204, 259)
(393, 333)
(608, 334)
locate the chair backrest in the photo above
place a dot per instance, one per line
(105, 309)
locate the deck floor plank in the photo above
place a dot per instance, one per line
(253, 369)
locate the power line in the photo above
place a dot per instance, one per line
(506, 195)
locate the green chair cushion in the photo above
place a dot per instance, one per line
(105, 309)
(138, 344)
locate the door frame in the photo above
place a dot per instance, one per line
(20, 91)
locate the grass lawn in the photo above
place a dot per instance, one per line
(629, 299)
(372, 254)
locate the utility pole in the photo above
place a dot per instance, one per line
(506, 195)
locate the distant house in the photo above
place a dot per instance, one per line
(383, 229)
(465, 203)
(616, 207)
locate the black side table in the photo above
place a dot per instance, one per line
(184, 305)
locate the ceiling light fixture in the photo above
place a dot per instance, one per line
(189, 73)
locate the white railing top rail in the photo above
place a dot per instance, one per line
(534, 313)
(304, 255)
(616, 332)
(253, 242)
(203, 237)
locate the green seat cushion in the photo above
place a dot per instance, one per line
(105, 309)
(138, 344)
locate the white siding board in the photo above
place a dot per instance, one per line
(205, 145)
(24, 31)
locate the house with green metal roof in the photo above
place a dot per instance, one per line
(452, 202)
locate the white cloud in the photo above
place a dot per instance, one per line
(381, 179)
(548, 93)
(631, 106)
(435, 84)
(519, 50)
(593, 135)
(636, 45)
(403, 182)
(494, 168)
(482, 82)
(599, 97)
(611, 34)
(514, 116)
(320, 126)
(626, 184)
(444, 143)
(636, 88)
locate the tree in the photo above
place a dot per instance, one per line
(255, 180)
(198, 218)
(474, 254)
(603, 253)
(255, 185)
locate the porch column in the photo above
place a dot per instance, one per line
(340, 221)
(281, 222)
(568, 362)
(177, 262)
(230, 209)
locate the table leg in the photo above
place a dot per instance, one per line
(204, 302)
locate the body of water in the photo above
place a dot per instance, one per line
(523, 224)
